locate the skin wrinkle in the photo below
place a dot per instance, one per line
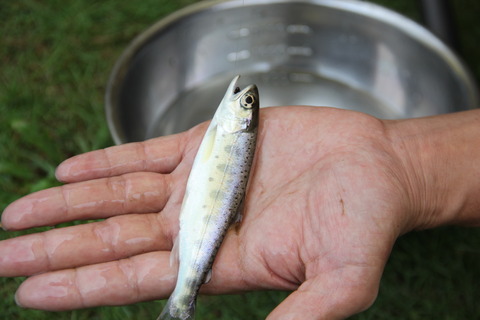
(157, 232)
(77, 287)
(167, 163)
(126, 199)
(268, 203)
(409, 186)
(394, 177)
(112, 185)
(275, 195)
(175, 157)
(46, 256)
(190, 149)
(299, 272)
(161, 220)
(307, 223)
(126, 265)
(267, 266)
(148, 162)
(106, 154)
(245, 266)
(241, 248)
(302, 267)
(147, 241)
(158, 182)
(166, 184)
(405, 160)
(66, 203)
(129, 199)
(315, 257)
(278, 280)
(141, 152)
(313, 262)
(97, 232)
(348, 292)
(430, 213)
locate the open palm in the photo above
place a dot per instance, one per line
(325, 203)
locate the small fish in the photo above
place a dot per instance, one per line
(214, 194)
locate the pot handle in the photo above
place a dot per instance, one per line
(437, 16)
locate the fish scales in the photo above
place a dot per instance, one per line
(214, 193)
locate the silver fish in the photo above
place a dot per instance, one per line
(215, 190)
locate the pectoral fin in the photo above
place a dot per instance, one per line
(208, 276)
(208, 142)
(237, 219)
(174, 254)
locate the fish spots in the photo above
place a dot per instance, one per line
(242, 178)
(185, 299)
(250, 148)
(205, 219)
(222, 167)
(228, 148)
(211, 179)
(217, 194)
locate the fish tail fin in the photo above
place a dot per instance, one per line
(175, 310)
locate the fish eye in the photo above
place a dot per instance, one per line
(248, 101)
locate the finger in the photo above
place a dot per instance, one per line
(112, 239)
(143, 277)
(96, 199)
(157, 155)
(330, 296)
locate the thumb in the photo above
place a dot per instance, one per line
(334, 295)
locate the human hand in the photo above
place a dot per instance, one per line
(327, 199)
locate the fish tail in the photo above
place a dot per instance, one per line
(178, 308)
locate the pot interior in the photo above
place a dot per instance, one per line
(351, 55)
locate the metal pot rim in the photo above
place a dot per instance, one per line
(363, 8)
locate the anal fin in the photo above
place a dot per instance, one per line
(237, 219)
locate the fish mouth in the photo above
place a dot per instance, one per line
(237, 92)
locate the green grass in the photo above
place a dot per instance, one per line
(55, 60)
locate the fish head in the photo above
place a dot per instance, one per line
(240, 107)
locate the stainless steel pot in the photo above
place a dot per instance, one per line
(339, 53)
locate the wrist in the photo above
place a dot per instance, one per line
(440, 157)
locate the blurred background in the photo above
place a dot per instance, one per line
(55, 59)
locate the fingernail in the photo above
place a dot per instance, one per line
(15, 212)
(61, 171)
(16, 300)
(1, 218)
(1, 223)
